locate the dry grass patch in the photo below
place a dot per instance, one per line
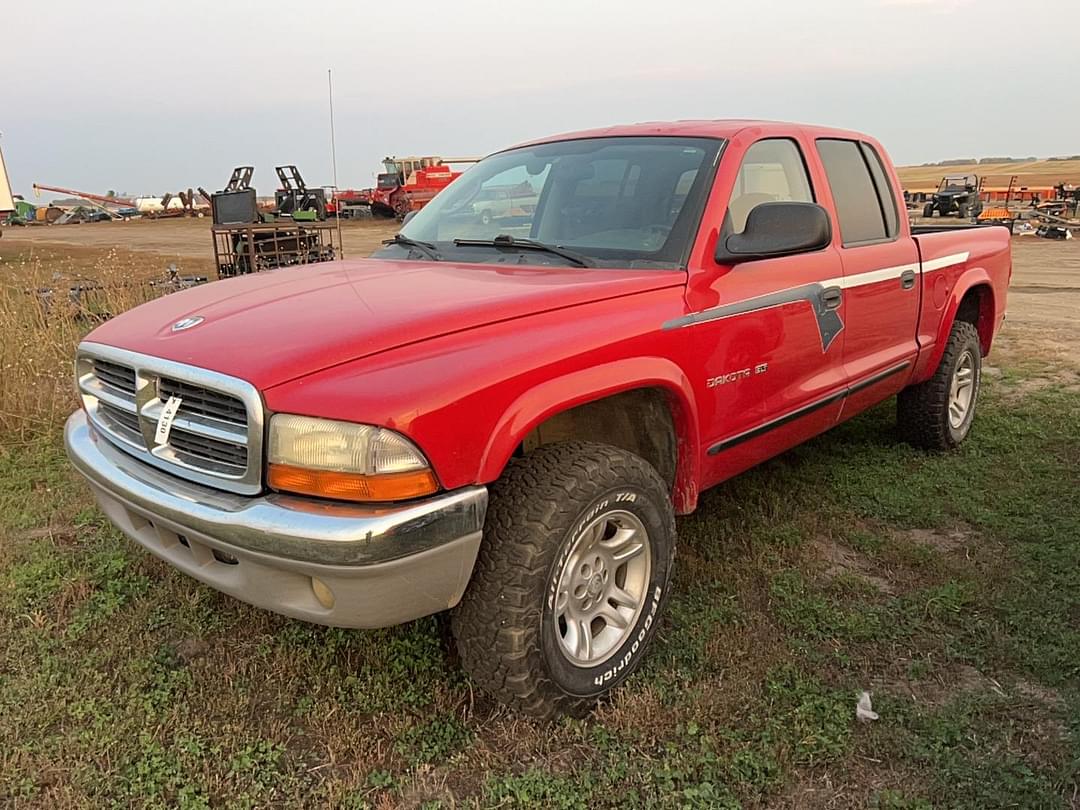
(49, 299)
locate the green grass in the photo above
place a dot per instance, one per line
(947, 586)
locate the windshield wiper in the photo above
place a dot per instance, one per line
(426, 248)
(508, 241)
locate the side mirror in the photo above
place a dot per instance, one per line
(775, 229)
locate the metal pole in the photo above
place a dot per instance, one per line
(333, 159)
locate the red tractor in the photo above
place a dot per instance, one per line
(409, 183)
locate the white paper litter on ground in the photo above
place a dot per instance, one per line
(864, 709)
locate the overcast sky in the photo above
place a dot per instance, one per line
(149, 97)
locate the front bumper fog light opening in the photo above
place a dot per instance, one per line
(322, 593)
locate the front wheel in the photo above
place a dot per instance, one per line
(571, 579)
(937, 414)
(928, 210)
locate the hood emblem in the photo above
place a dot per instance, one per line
(187, 323)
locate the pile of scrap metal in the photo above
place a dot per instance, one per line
(82, 213)
(87, 299)
(181, 204)
(247, 240)
(1059, 217)
(1030, 216)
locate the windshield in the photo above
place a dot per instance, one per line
(626, 201)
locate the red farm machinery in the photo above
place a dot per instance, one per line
(409, 183)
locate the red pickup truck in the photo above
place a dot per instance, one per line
(502, 416)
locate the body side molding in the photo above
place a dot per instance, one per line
(805, 410)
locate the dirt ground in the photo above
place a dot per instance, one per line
(1044, 301)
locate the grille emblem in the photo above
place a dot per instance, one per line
(187, 323)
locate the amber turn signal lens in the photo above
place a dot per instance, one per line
(343, 486)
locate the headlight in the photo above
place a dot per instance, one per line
(345, 461)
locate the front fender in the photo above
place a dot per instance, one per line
(553, 396)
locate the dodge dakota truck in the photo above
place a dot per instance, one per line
(502, 417)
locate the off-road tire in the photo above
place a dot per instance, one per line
(503, 626)
(928, 210)
(922, 410)
(962, 211)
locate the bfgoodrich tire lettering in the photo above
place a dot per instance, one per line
(506, 626)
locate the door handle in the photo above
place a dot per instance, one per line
(832, 297)
(907, 279)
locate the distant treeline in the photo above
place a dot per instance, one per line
(975, 161)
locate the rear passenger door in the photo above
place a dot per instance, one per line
(880, 271)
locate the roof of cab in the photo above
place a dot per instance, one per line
(721, 128)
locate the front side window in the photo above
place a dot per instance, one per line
(772, 171)
(622, 201)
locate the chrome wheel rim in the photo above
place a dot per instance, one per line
(601, 588)
(962, 390)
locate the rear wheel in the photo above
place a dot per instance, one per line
(928, 210)
(937, 414)
(571, 578)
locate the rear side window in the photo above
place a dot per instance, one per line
(885, 192)
(858, 205)
(772, 171)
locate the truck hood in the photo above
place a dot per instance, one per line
(268, 328)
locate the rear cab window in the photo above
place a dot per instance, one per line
(863, 196)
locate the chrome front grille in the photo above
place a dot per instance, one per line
(204, 449)
(119, 378)
(203, 401)
(216, 434)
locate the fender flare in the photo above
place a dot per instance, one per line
(969, 279)
(553, 396)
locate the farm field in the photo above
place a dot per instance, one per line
(946, 586)
(1029, 173)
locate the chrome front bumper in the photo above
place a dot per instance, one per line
(336, 564)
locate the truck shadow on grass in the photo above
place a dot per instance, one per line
(947, 586)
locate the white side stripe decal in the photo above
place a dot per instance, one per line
(888, 273)
(828, 319)
(945, 261)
